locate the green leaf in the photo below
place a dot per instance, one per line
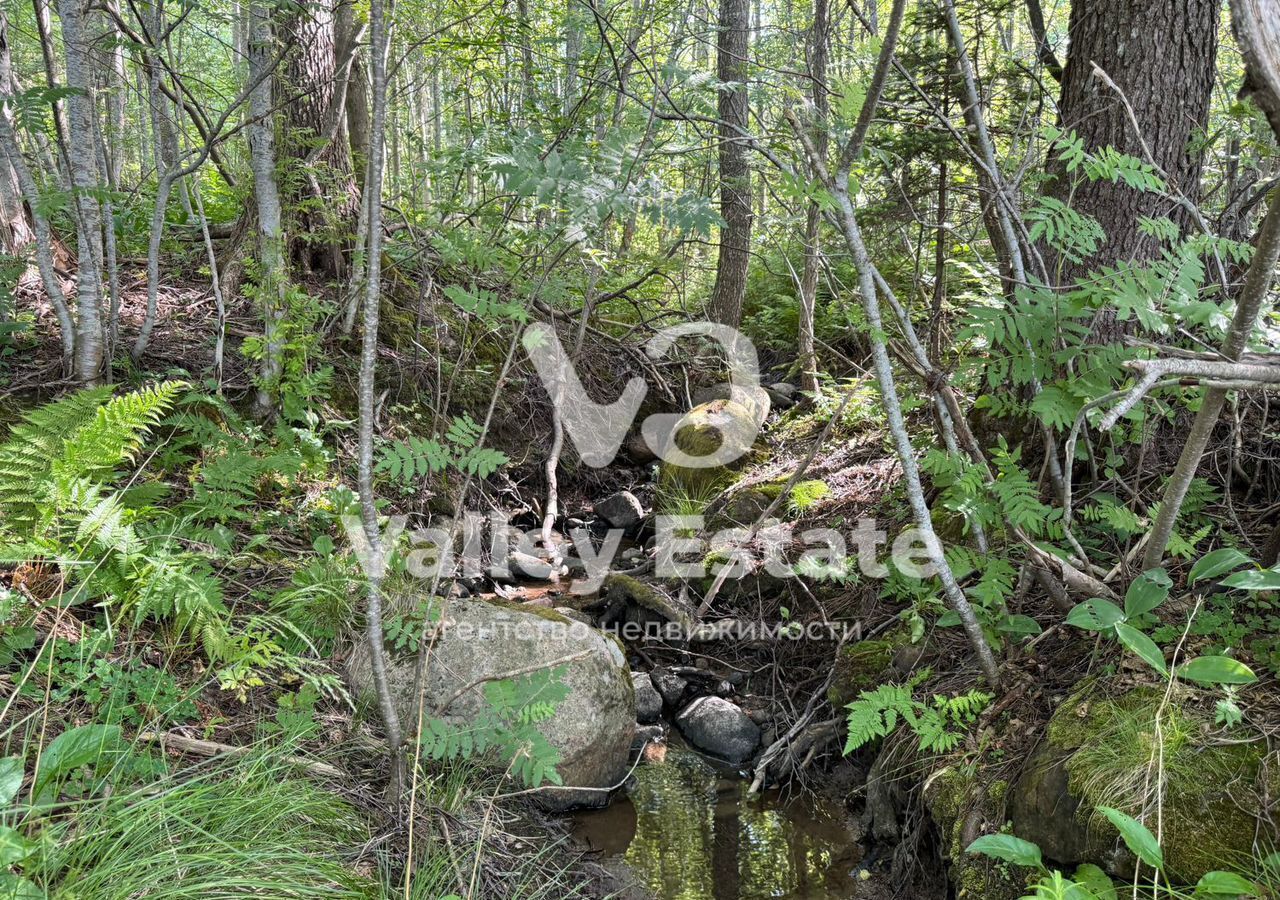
(10, 779)
(1147, 591)
(1254, 580)
(1228, 883)
(15, 887)
(1008, 848)
(1019, 625)
(1097, 881)
(1142, 645)
(1136, 837)
(1217, 670)
(1095, 615)
(74, 748)
(14, 847)
(1211, 565)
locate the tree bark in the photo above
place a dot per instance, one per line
(818, 46)
(16, 228)
(272, 278)
(317, 84)
(368, 371)
(735, 168)
(90, 340)
(1161, 54)
(1257, 27)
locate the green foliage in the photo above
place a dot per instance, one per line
(416, 458)
(939, 725)
(506, 726)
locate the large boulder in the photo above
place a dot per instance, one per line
(719, 727)
(592, 727)
(1098, 751)
(700, 435)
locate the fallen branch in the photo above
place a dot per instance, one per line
(171, 741)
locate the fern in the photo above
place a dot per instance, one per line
(939, 725)
(506, 726)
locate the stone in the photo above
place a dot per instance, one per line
(521, 566)
(1097, 740)
(778, 399)
(719, 727)
(700, 433)
(669, 685)
(709, 393)
(645, 735)
(648, 700)
(783, 389)
(621, 510)
(637, 449)
(592, 727)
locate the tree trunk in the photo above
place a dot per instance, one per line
(16, 230)
(1161, 54)
(1257, 26)
(735, 169)
(368, 368)
(272, 279)
(316, 86)
(808, 359)
(90, 342)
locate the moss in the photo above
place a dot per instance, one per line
(700, 433)
(542, 612)
(953, 795)
(636, 593)
(806, 494)
(1209, 790)
(861, 667)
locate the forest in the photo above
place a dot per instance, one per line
(671, 449)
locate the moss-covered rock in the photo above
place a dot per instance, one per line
(1101, 750)
(861, 667)
(963, 810)
(700, 433)
(628, 599)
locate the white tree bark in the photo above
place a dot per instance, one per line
(90, 338)
(272, 279)
(378, 28)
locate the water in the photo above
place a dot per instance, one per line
(690, 833)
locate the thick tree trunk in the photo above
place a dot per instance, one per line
(1161, 54)
(735, 169)
(316, 81)
(1257, 27)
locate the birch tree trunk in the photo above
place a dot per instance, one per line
(90, 339)
(272, 280)
(368, 370)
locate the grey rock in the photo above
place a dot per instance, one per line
(670, 686)
(621, 510)
(521, 567)
(592, 727)
(783, 389)
(648, 700)
(710, 392)
(778, 399)
(637, 449)
(717, 726)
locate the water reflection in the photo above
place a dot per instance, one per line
(690, 834)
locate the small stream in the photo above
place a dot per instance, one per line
(690, 832)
